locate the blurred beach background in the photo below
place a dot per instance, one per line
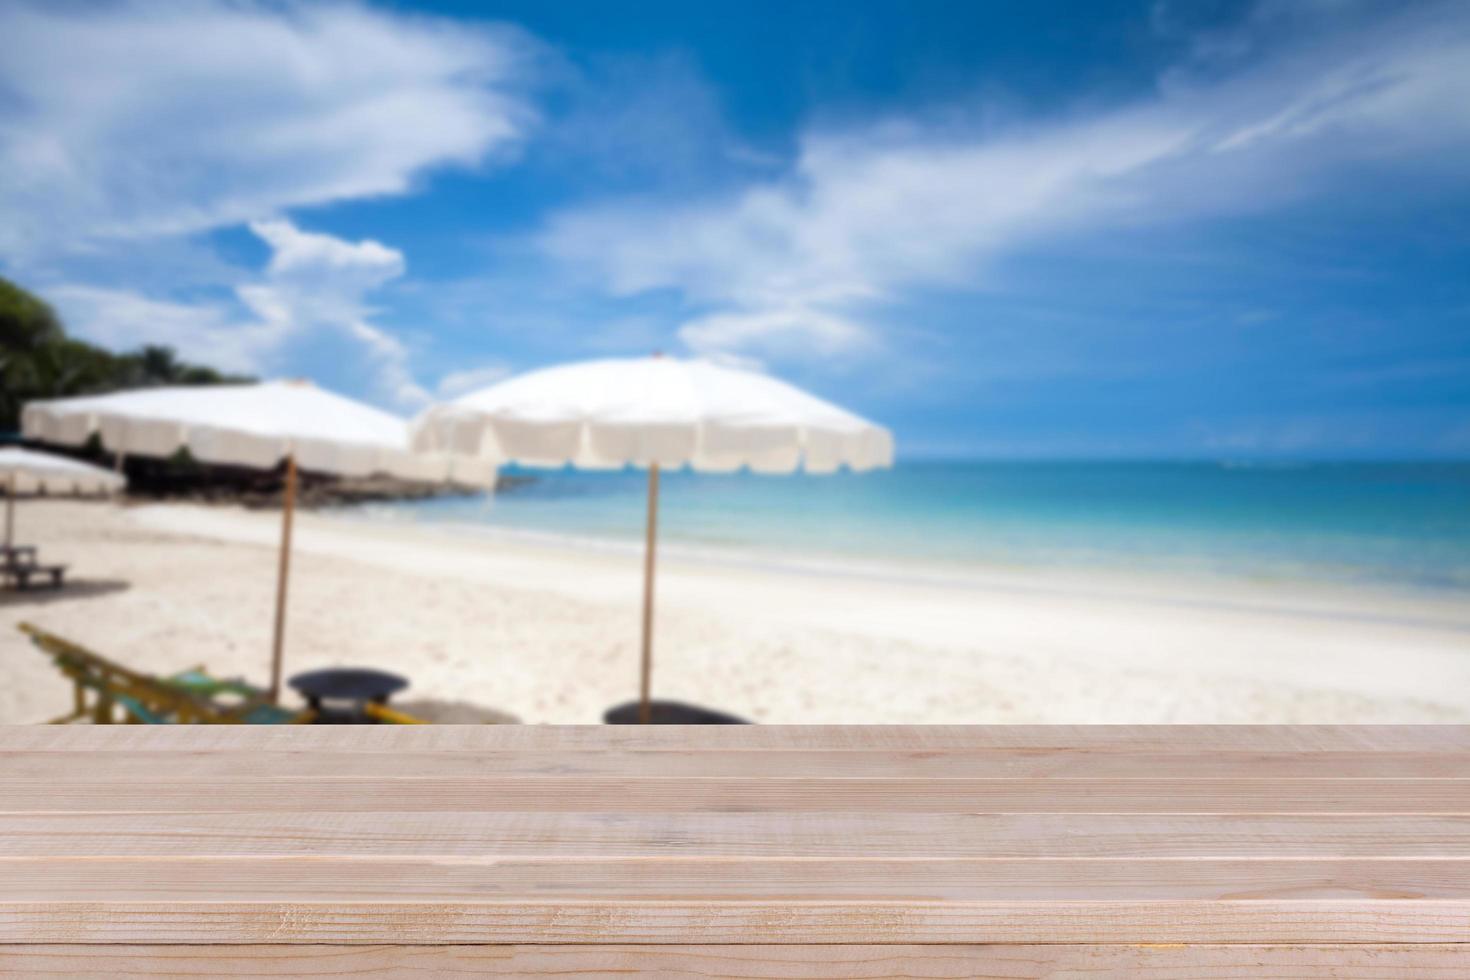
(1164, 306)
(937, 592)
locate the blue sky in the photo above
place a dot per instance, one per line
(1147, 228)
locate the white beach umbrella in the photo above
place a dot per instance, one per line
(654, 412)
(28, 471)
(260, 426)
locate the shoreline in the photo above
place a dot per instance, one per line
(1369, 526)
(548, 633)
(1415, 604)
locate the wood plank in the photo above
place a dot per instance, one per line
(162, 794)
(445, 881)
(865, 962)
(112, 766)
(752, 836)
(766, 738)
(601, 834)
(757, 922)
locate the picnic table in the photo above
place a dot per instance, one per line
(17, 553)
(18, 565)
(754, 851)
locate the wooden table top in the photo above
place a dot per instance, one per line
(887, 836)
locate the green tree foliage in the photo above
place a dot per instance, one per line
(38, 360)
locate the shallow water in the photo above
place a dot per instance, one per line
(1383, 523)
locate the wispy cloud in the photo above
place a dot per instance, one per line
(128, 119)
(204, 331)
(635, 118)
(461, 382)
(129, 126)
(315, 280)
(793, 330)
(871, 214)
(312, 283)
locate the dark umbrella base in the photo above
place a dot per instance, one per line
(340, 695)
(670, 713)
(347, 714)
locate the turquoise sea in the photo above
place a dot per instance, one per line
(1404, 524)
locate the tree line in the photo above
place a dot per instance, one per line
(39, 360)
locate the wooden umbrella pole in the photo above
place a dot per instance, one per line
(645, 706)
(288, 507)
(9, 512)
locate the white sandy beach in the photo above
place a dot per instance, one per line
(548, 632)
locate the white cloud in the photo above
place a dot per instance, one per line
(200, 332)
(873, 213)
(719, 335)
(312, 282)
(457, 383)
(128, 119)
(127, 125)
(742, 362)
(294, 251)
(395, 378)
(315, 280)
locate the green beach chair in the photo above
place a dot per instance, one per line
(190, 697)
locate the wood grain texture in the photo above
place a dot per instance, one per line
(1120, 764)
(463, 882)
(861, 962)
(1271, 739)
(497, 836)
(1287, 921)
(731, 835)
(713, 794)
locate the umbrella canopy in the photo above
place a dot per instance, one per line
(654, 412)
(251, 425)
(261, 426)
(28, 471)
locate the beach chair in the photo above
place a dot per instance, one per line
(190, 697)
